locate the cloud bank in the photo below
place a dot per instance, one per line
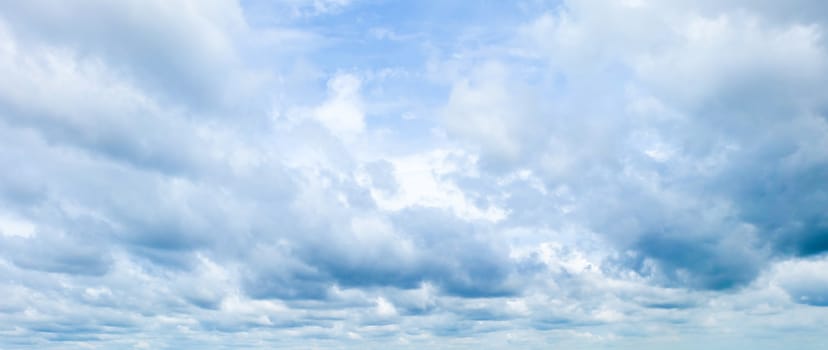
(362, 174)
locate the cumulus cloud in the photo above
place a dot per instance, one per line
(803, 280)
(342, 113)
(243, 174)
(183, 52)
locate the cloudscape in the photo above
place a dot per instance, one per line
(378, 174)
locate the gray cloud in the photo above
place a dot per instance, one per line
(187, 55)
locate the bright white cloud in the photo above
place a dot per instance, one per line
(11, 226)
(342, 112)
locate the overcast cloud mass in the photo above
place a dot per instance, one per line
(374, 174)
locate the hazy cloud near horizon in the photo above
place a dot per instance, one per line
(397, 175)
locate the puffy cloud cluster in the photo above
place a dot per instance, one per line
(215, 174)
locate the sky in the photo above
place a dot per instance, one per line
(378, 174)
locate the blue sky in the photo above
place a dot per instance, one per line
(369, 174)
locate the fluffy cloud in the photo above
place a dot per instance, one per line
(184, 52)
(590, 174)
(342, 113)
(803, 280)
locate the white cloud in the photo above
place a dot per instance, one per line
(198, 174)
(806, 281)
(15, 227)
(424, 180)
(731, 54)
(493, 111)
(343, 112)
(183, 53)
(385, 308)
